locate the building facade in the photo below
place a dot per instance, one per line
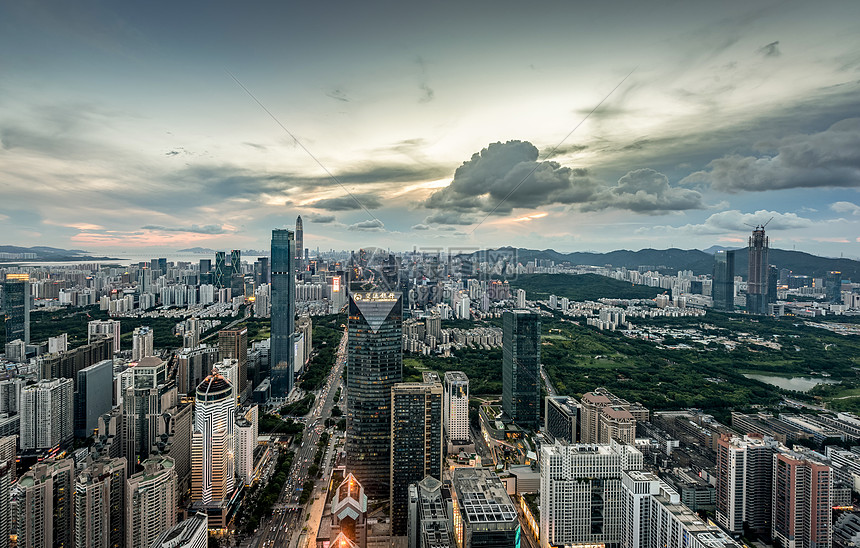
(374, 366)
(47, 414)
(521, 382)
(283, 293)
(212, 444)
(456, 408)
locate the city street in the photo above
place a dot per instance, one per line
(285, 528)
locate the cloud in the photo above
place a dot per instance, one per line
(505, 175)
(320, 219)
(735, 221)
(427, 93)
(646, 191)
(770, 50)
(450, 218)
(348, 202)
(830, 158)
(370, 225)
(194, 229)
(420, 226)
(845, 207)
(338, 95)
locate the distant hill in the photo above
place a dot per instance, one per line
(581, 287)
(700, 262)
(197, 250)
(44, 253)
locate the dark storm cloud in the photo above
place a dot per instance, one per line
(830, 158)
(348, 202)
(194, 229)
(507, 175)
(770, 50)
(319, 219)
(646, 191)
(370, 225)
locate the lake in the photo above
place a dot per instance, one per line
(800, 384)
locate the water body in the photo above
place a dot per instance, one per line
(800, 384)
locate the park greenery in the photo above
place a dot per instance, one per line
(681, 371)
(580, 287)
(272, 424)
(299, 408)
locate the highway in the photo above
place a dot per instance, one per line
(288, 520)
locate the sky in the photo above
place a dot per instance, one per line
(575, 126)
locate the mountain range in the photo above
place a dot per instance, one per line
(700, 262)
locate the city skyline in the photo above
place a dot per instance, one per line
(123, 129)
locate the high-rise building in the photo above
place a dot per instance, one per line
(94, 397)
(100, 504)
(832, 287)
(744, 483)
(212, 444)
(245, 436)
(222, 275)
(9, 454)
(430, 523)
(237, 278)
(300, 245)
(16, 304)
(580, 492)
(456, 408)
(6, 480)
(194, 365)
(374, 366)
(521, 299)
(606, 416)
(150, 395)
(560, 413)
(10, 395)
(150, 504)
(483, 513)
(47, 413)
(142, 339)
(42, 505)
(229, 369)
(723, 287)
(654, 517)
(233, 343)
(802, 501)
(67, 364)
(521, 367)
(191, 533)
(416, 441)
(111, 328)
(757, 280)
(283, 289)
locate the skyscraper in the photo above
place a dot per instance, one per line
(723, 288)
(560, 418)
(42, 504)
(212, 463)
(744, 483)
(142, 340)
(16, 303)
(233, 344)
(375, 364)
(802, 501)
(100, 504)
(521, 367)
(832, 287)
(150, 395)
(300, 245)
(758, 272)
(191, 533)
(237, 279)
(150, 504)
(94, 397)
(456, 408)
(416, 441)
(283, 312)
(95, 328)
(6, 478)
(47, 414)
(221, 270)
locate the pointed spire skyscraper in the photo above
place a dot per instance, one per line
(300, 245)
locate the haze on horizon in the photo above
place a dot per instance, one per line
(122, 129)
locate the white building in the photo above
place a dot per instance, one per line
(653, 517)
(60, 343)
(229, 369)
(47, 414)
(455, 418)
(150, 502)
(142, 343)
(246, 441)
(96, 328)
(212, 445)
(578, 483)
(191, 533)
(521, 298)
